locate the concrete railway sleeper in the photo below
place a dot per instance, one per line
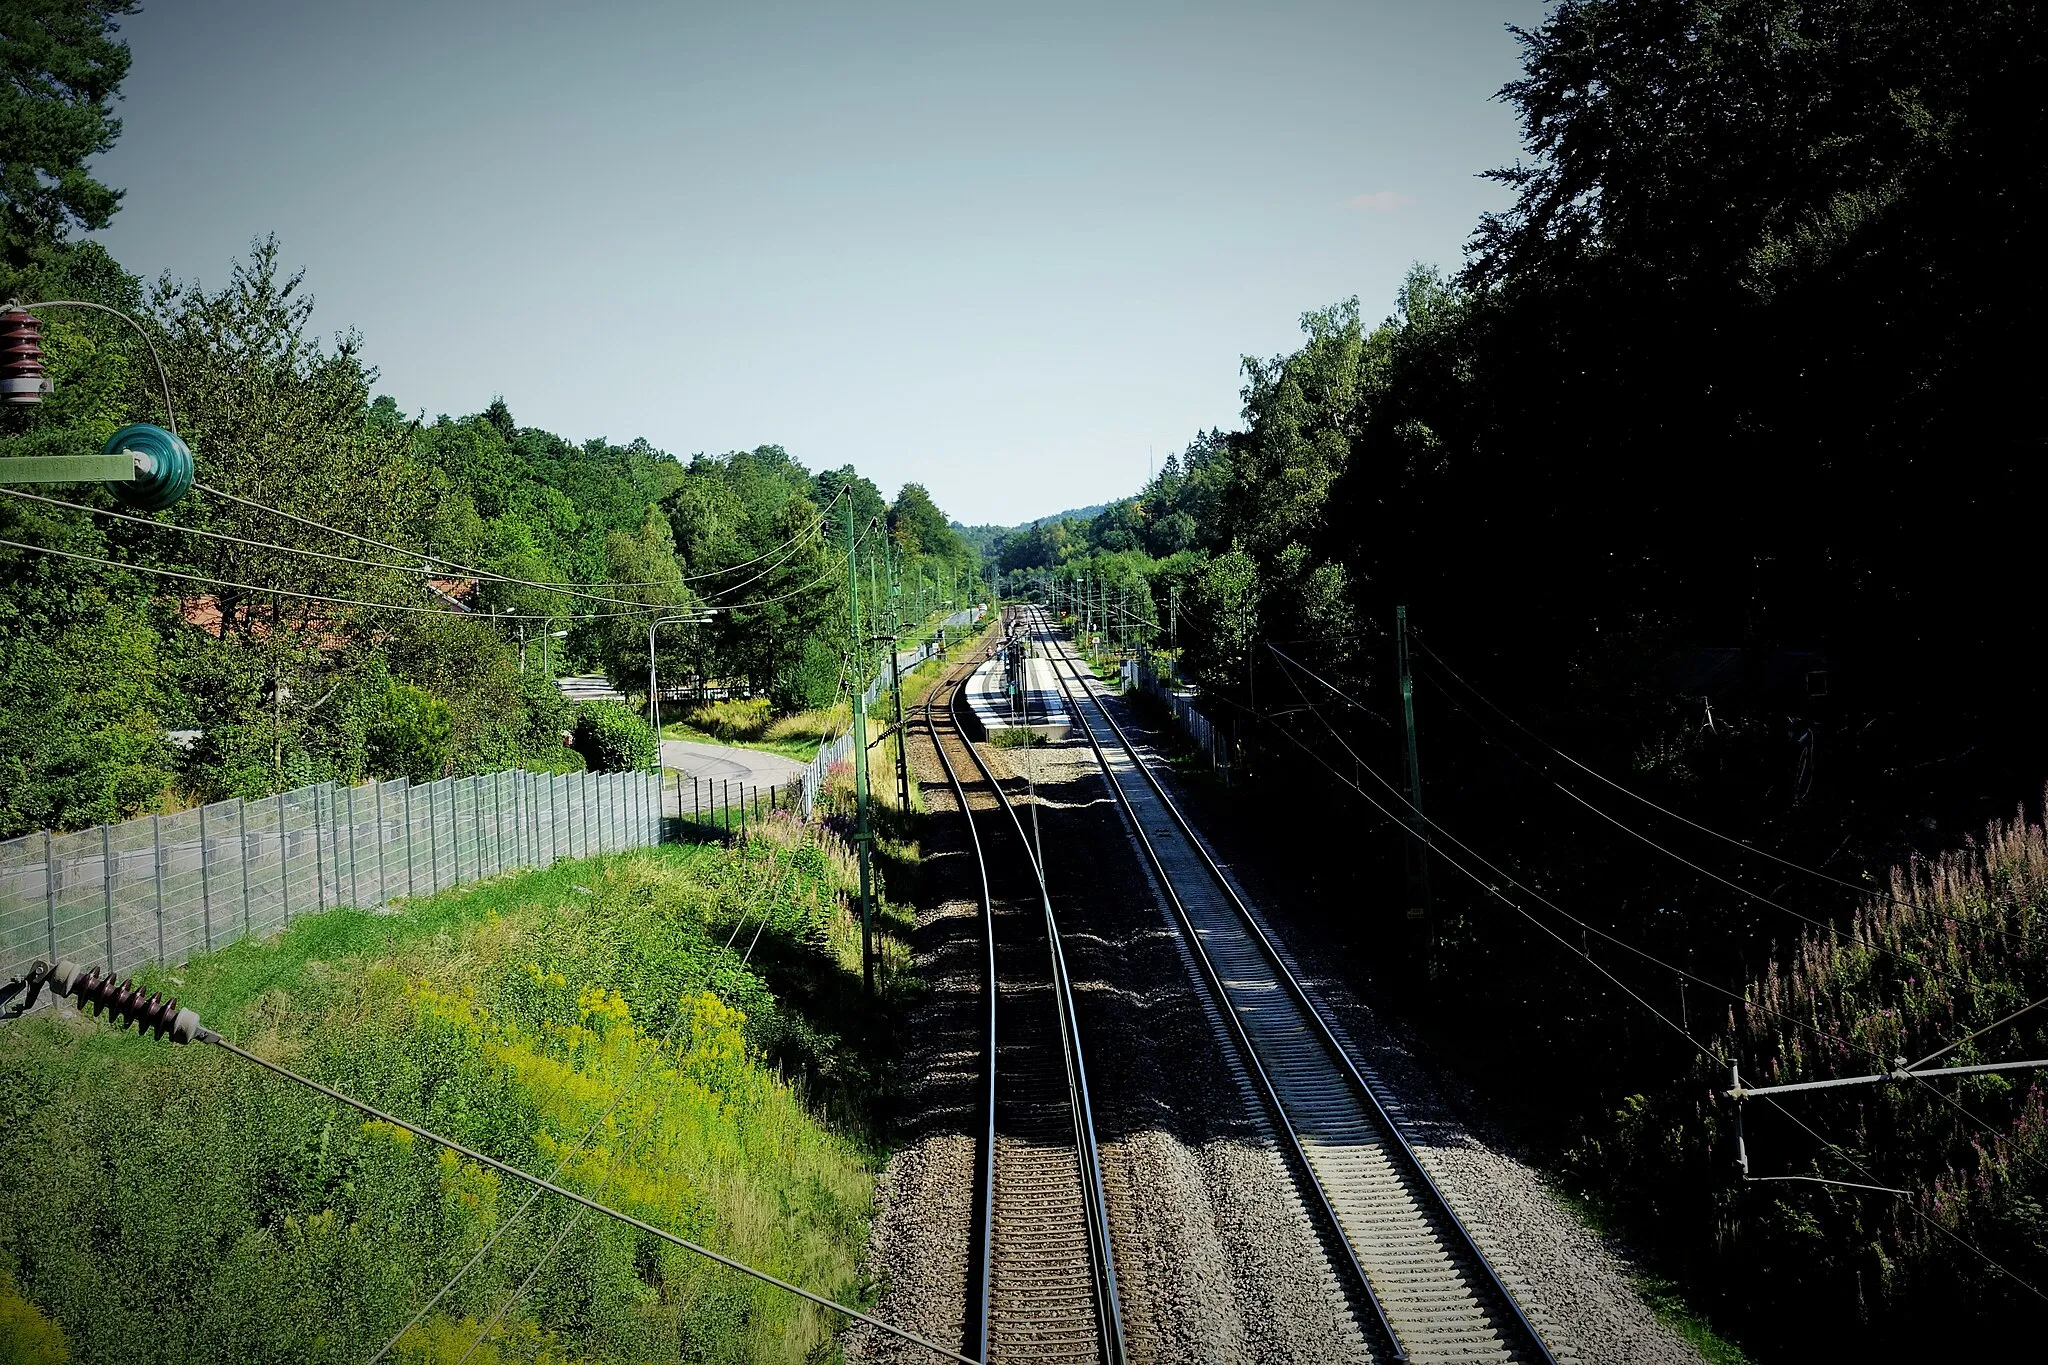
(1434, 1294)
(1044, 1282)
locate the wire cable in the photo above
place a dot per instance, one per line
(1913, 1202)
(763, 900)
(278, 592)
(533, 1196)
(1662, 810)
(218, 535)
(1686, 1034)
(1507, 876)
(464, 570)
(163, 376)
(503, 1168)
(1813, 921)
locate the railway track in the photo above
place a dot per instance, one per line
(1045, 1277)
(1432, 1291)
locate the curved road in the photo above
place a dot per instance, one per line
(716, 762)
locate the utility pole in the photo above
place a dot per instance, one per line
(1419, 908)
(863, 835)
(902, 749)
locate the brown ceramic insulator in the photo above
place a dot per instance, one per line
(21, 358)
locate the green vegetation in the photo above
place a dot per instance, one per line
(1949, 947)
(1701, 464)
(444, 675)
(612, 738)
(175, 1204)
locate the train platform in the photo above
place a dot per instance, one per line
(1036, 706)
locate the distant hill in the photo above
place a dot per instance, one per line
(983, 538)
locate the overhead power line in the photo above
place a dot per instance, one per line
(463, 570)
(122, 1001)
(1679, 971)
(1708, 830)
(277, 592)
(473, 571)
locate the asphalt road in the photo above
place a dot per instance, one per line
(716, 762)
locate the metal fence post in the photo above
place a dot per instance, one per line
(107, 887)
(284, 864)
(476, 820)
(408, 836)
(156, 845)
(355, 887)
(50, 890)
(433, 844)
(319, 865)
(205, 885)
(242, 836)
(377, 789)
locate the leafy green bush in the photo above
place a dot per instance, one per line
(612, 739)
(410, 734)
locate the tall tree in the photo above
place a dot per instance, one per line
(62, 69)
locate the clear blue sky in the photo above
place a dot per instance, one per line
(997, 249)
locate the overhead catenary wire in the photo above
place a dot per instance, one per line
(263, 589)
(487, 575)
(1539, 897)
(334, 600)
(1881, 1059)
(1813, 921)
(1884, 1062)
(460, 569)
(1633, 795)
(223, 536)
(1735, 886)
(1659, 1014)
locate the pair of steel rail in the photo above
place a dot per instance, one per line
(1423, 1332)
(1102, 1267)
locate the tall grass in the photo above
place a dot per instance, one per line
(175, 1204)
(1953, 945)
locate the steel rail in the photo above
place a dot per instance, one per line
(985, 1253)
(1109, 1313)
(1401, 1146)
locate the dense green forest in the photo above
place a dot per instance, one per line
(1707, 466)
(368, 595)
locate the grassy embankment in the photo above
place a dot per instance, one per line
(175, 1204)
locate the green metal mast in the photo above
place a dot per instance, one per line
(1418, 847)
(863, 836)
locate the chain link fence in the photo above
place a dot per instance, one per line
(164, 887)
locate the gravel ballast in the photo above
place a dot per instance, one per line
(1217, 1257)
